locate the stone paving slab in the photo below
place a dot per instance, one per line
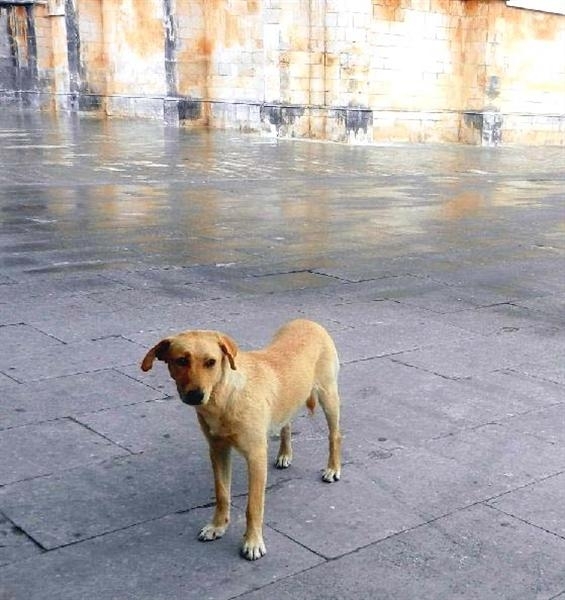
(550, 369)
(382, 398)
(94, 499)
(545, 424)
(333, 520)
(70, 396)
(438, 270)
(15, 544)
(372, 407)
(55, 307)
(157, 560)
(91, 500)
(160, 425)
(37, 450)
(70, 359)
(498, 319)
(29, 288)
(547, 304)
(483, 355)
(504, 460)
(175, 316)
(476, 553)
(20, 341)
(540, 504)
(388, 338)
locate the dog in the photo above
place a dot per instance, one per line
(242, 397)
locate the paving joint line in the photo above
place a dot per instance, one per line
(97, 433)
(525, 521)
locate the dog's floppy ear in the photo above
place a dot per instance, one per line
(229, 348)
(158, 352)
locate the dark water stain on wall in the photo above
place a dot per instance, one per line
(355, 119)
(280, 116)
(18, 58)
(80, 96)
(170, 48)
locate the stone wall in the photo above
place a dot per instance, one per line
(361, 71)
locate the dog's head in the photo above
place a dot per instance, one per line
(197, 362)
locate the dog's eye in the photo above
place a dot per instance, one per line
(182, 361)
(209, 363)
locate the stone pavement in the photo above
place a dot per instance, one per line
(440, 273)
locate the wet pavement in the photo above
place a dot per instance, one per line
(438, 270)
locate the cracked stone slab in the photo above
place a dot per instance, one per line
(70, 359)
(540, 504)
(146, 426)
(371, 312)
(20, 341)
(94, 499)
(56, 306)
(175, 315)
(157, 559)
(35, 288)
(476, 553)
(70, 396)
(335, 519)
(478, 355)
(504, 459)
(14, 543)
(498, 319)
(37, 450)
(384, 398)
(386, 338)
(550, 369)
(545, 424)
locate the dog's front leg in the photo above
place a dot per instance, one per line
(220, 455)
(253, 545)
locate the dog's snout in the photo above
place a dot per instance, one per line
(192, 397)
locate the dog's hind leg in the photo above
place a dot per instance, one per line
(284, 457)
(329, 401)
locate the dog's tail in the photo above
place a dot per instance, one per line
(312, 401)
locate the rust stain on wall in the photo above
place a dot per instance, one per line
(388, 10)
(472, 7)
(144, 33)
(253, 6)
(547, 27)
(17, 26)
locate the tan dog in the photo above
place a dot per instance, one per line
(242, 396)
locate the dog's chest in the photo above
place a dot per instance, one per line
(219, 426)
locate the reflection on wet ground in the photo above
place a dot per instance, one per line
(84, 193)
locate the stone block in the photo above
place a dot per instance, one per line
(71, 359)
(471, 553)
(304, 509)
(33, 451)
(538, 504)
(15, 546)
(146, 426)
(157, 559)
(70, 396)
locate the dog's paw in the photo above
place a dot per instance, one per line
(283, 461)
(210, 532)
(331, 475)
(253, 550)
